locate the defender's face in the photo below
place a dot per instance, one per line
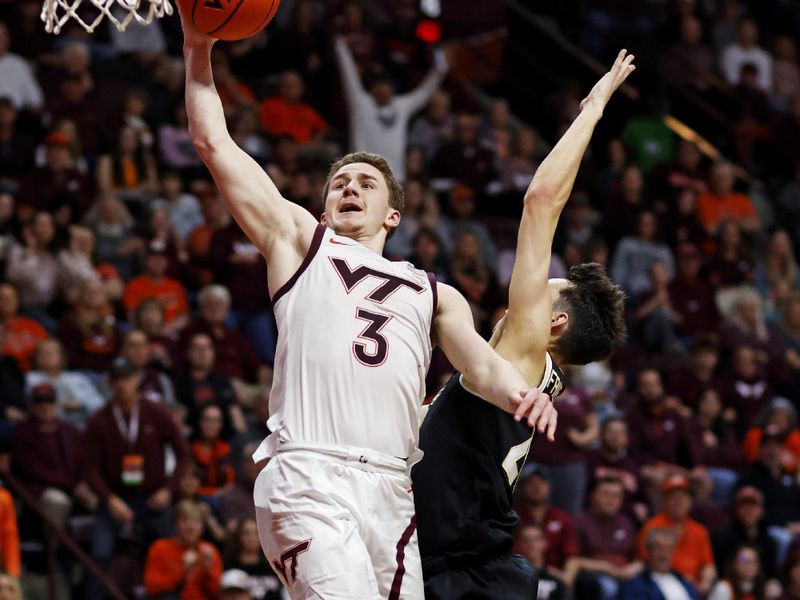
(358, 202)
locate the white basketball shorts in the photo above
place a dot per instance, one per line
(338, 523)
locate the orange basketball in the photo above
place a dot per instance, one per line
(229, 19)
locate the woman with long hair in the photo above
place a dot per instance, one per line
(779, 264)
(744, 579)
(243, 552)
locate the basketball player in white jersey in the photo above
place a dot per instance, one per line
(334, 505)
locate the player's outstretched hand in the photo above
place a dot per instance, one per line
(191, 36)
(537, 407)
(609, 83)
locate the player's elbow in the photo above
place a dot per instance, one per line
(539, 195)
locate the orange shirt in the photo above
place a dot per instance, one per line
(9, 536)
(164, 571)
(22, 337)
(713, 210)
(300, 121)
(693, 551)
(216, 470)
(169, 292)
(791, 447)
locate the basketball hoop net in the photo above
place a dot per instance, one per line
(55, 13)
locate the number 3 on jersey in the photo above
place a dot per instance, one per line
(376, 356)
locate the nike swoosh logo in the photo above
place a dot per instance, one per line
(333, 241)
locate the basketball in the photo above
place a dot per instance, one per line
(229, 20)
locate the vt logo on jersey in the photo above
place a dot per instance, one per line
(351, 278)
(291, 556)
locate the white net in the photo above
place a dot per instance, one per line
(89, 13)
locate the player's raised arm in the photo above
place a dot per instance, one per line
(282, 231)
(493, 378)
(529, 317)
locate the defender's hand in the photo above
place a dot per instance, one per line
(609, 83)
(539, 410)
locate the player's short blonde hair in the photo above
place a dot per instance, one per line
(396, 193)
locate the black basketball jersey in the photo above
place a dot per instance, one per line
(464, 483)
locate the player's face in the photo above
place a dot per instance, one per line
(357, 204)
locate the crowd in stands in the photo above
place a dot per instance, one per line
(137, 339)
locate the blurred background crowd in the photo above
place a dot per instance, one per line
(136, 336)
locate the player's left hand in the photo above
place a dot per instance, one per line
(610, 82)
(540, 412)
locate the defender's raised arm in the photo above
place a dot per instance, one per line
(282, 231)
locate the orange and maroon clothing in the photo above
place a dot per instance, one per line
(165, 571)
(693, 551)
(216, 469)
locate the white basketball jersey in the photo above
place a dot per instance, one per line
(353, 350)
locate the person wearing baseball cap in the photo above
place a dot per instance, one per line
(693, 557)
(235, 585)
(746, 527)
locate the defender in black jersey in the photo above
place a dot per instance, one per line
(473, 452)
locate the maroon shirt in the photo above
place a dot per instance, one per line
(234, 354)
(694, 301)
(656, 436)
(91, 348)
(714, 447)
(559, 530)
(246, 281)
(573, 408)
(105, 448)
(46, 459)
(598, 466)
(606, 538)
(687, 386)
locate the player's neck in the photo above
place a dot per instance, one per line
(373, 242)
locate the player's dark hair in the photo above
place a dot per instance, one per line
(396, 194)
(596, 315)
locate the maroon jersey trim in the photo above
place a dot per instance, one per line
(435, 290)
(316, 242)
(397, 582)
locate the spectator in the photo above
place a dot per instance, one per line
(747, 527)
(635, 255)
(125, 447)
(623, 206)
(378, 118)
(287, 114)
(689, 382)
(10, 558)
(130, 170)
(212, 455)
(175, 145)
(33, 269)
(748, 391)
(115, 242)
(429, 254)
(434, 128)
(154, 385)
(655, 319)
(607, 543)
(746, 324)
(779, 264)
(183, 209)
(532, 544)
(21, 333)
(566, 456)
(792, 580)
(659, 581)
(713, 446)
(17, 81)
(237, 503)
(10, 588)
(534, 509)
(234, 585)
(790, 335)
(201, 385)
(780, 415)
(473, 277)
(90, 332)
(746, 52)
(234, 357)
(517, 170)
(690, 62)
(17, 146)
(47, 455)
(150, 320)
(692, 298)
(721, 203)
(463, 218)
(75, 262)
(12, 400)
(693, 558)
(198, 243)
(239, 266)
(786, 74)
(243, 553)
(184, 567)
(77, 398)
(153, 282)
(464, 159)
(744, 577)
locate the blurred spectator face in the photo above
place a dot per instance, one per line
(76, 57)
(81, 240)
(792, 318)
(660, 548)
(677, 504)
(439, 106)
(659, 274)
(126, 389)
(382, 91)
(467, 129)
(745, 363)
(691, 31)
(748, 33)
(150, 317)
(190, 483)
(689, 156)
(73, 89)
(748, 77)
(746, 565)
(722, 179)
(632, 183)
(780, 244)
(607, 498)
(614, 436)
(730, 236)
(155, 265)
(49, 356)
(212, 209)
(45, 412)
(415, 196)
(248, 535)
(616, 154)
(598, 252)
(93, 295)
(188, 529)
(128, 141)
(532, 544)
(649, 387)
(770, 454)
(43, 228)
(462, 201)
(499, 114)
(214, 309)
(110, 211)
(286, 150)
(784, 49)
(9, 301)
(749, 512)
(709, 405)
(171, 185)
(210, 423)
(536, 490)
(415, 163)
(5, 40)
(291, 87)
(426, 248)
(526, 143)
(8, 114)
(353, 15)
(57, 155)
(160, 225)
(647, 226)
(749, 311)
(235, 594)
(6, 207)
(136, 348)
(689, 266)
(781, 418)
(687, 202)
(201, 353)
(468, 247)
